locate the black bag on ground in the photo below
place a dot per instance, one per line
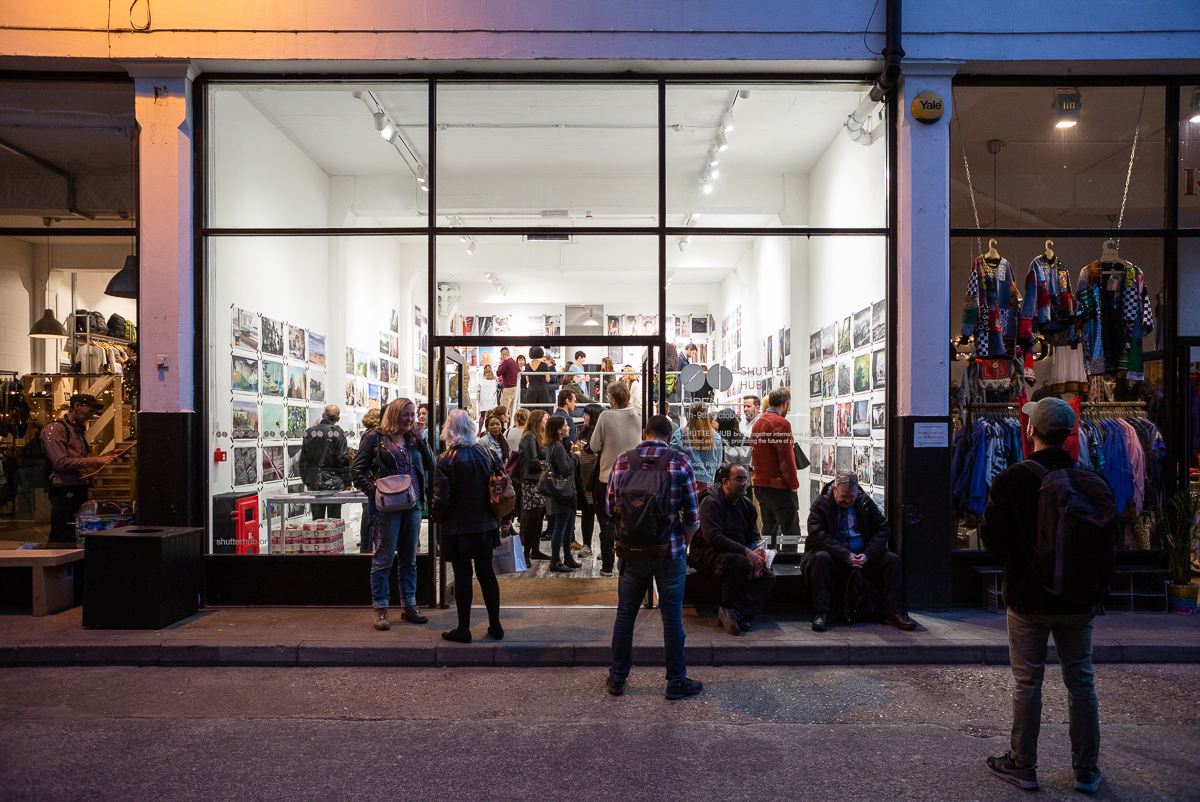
(857, 602)
(643, 526)
(1075, 549)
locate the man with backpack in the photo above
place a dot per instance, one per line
(652, 500)
(325, 460)
(1055, 527)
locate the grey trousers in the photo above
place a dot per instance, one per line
(1027, 640)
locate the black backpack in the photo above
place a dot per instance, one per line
(116, 326)
(1075, 549)
(643, 526)
(312, 460)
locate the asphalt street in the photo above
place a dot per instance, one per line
(878, 733)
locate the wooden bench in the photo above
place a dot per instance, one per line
(53, 575)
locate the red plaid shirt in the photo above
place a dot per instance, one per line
(681, 499)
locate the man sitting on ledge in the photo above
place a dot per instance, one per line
(848, 533)
(725, 546)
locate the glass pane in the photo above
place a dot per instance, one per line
(298, 323)
(808, 314)
(1189, 287)
(317, 155)
(66, 153)
(788, 158)
(1028, 172)
(553, 155)
(1189, 157)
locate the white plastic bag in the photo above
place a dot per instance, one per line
(509, 557)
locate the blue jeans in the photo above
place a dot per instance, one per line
(560, 535)
(398, 531)
(631, 590)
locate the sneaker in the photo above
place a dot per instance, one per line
(414, 615)
(585, 552)
(901, 621)
(1087, 778)
(820, 622)
(681, 689)
(728, 620)
(381, 619)
(607, 573)
(1021, 776)
(616, 687)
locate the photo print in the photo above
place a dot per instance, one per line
(862, 328)
(828, 428)
(769, 361)
(418, 319)
(843, 420)
(814, 347)
(272, 378)
(785, 344)
(394, 346)
(272, 464)
(316, 349)
(385, 371)
(614, 325)
(814, 422)
(297, 422)
(814, 458)
(843, 336)
(700, 324)
(862, 373)
(845, 367)
(878, 321)
(293, 461)
(879, 500)
(860, 425)
(385, 396)
(862, 464)
(274, 421)
(737, 317)
(316, 386)
(272, 336)
(360, 363)
(829, 342)
(351, 396)
(828, 468)
(373, 369)
(394, 321)
(245, 466)
(350, 360)
(373, 395)
(486, 327)
(844, 459)
(879, 369)
(245, 420)
(245, 374)
(815, 385)
(297, 383)
(631, 325)
(314, 416)
(814, 488)
(829, 381)
(878, 416)
(295, 343)
(504, 324)
(878, 467)
(245, 329)
(385, 340)
(360, 387)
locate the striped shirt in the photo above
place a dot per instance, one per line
(65, 447)
(682, 507)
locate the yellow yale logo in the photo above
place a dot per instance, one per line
(928, 107)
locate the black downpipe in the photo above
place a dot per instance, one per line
(892, 53)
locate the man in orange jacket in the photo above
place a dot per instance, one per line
(775, 479)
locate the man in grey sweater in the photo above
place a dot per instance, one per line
(618, 430)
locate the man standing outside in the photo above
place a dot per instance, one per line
(651, 466)
(507, 373)
(1009, 531)
(325, 461)
(775, 480)
(65, 445)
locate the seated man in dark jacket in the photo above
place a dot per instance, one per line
(725, 546)
(847, 533)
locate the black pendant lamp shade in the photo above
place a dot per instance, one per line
(48, 328)
(125, 283)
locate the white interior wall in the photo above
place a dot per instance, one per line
(16, 304)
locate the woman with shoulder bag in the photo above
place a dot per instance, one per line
(392, 468)
(559, 477)
(589, 470)
(531, 460)
(469, 531)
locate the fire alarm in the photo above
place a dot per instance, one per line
(220, 456)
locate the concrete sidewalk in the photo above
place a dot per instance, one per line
(324, 636)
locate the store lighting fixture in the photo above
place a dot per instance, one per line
(591, 321)
(48, 328)
(727, 121)
(1066, 108)
(712, 173)
(421, 175)
(380, 120)
(1195, 106)
(706, 186)
(684, 242)
(470, 246)
(721, 143)
(713, 159)
(125, 283)
(388, 131)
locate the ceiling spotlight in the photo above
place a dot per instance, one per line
(470, 246)
(380, 120)
(1195, 106)
(420, 174)
(721, 142)
(713, 158)
(388, 131)
(712, 173)
(684, 242)
(706, 185)
(425, 187)
(1066, 108)
(727, 121)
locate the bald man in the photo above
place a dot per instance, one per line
(325, 461)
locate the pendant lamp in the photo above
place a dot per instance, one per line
(48, 328)
(125, 283)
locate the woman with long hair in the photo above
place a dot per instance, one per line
(700, 442)
(469, 532)
(560, 511)
(532, 459)
(589, 470)
(494, 440)
(397, 447)
(369, 523)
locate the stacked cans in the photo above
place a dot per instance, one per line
(323, 536)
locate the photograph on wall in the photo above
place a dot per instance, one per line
(844, 460)
(814, 488)
(828, 428)
(373, 395)
(829, 381)
(861, 421)
(297, 422)
(245, 374)
(814, 347)
(879, 369)
(272, 336)
(829, 342)
(245, 420)
(360, 363)
(614, 325)
(316, 386)
(814, 422)
(827, 463)
(425, 363)
(862, 328)
(274, 421)
(296, 510)
(314, 416)
(295, 343)
(843, 420)
(769, 362)
(394, 346)
(297, 383)
(816, 384)
(862, 373)
(293, 461)
(385, 396)
(384, 342)
(878, 321)
(843, 336)
(700, 324)
(385, 371)
(394, 321)
(878, 466)
(373, 369)
(785, 344)
(272, 378)
(351, 396)
(272, 464)
(316, 349)
(245, 329)
(631, 325)
(862, 464)
(845, 368)
(737, 317)
(878, 499)
(350, 360)
(814, 458)
(486, 328)
(504, 324)
(360, 387)
(245, 466)
(878, 416)
(418, 319)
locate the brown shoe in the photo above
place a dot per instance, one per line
(901, 621)
(381, 619)
(414, 615)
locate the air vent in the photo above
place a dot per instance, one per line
(549, 236)
(554, 213)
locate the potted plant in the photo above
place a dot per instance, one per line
(1179, 529)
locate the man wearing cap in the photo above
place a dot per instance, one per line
(847, 533)
(66, 448)
(1009, 531)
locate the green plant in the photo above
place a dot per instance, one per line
(1178, 520)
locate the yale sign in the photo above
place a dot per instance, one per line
(928, 107)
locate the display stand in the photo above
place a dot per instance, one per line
(314, 497)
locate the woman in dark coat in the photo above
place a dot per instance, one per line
(531, 460)
(589, 471)
(559, 511)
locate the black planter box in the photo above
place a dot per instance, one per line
(142, 577)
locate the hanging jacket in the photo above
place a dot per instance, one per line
(992, 307)
(1049, 305)
(1128, 307)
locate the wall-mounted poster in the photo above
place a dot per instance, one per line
(737, 317)
(785, 345)
(878, 321)
(815, 385)
(373, 369)
(814, 458)
(245, 374)
(314, 416)
(843, 336)
(351, 399)
(878, 416)
(845, 368)
(631, 325)
(828, 467)
(843, 420)
(879, 500)
(316, 349)
(844, 460)
(862, 373)
(360, 363)
(245, 329)
(614, 325)
(504, 324)
(385, 396)
(485, 326)
(272, 336)
(295, 343)
(297, 422)
(878, 467)
(385, 371)
(700, 324)
(861, 423)
(829, 342)
(394, 346)
(293, 461)
(814, 347)
(418, 318)
(769, 362)
(274, 421)
(297, 383)
(814, 422)
(296, 510)
(829, 381)
(373, 395)
(245, 420)
(245, 466)
(272, 464)
(827, 425)
(879, 369)
(272, 378)
(862, 328)
(350, 360)
(384, 342)
(360, 386)
(862, 464)
(316, 386)
(394, 321)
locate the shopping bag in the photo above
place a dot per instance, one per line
(508, 557)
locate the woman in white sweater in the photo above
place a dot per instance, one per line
(618, 430)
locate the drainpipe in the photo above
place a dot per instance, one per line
(885, 84)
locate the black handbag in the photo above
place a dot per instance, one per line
(801, 459)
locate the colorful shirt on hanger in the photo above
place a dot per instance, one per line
(1049, 306)
(992, 307)
(1114, 314)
